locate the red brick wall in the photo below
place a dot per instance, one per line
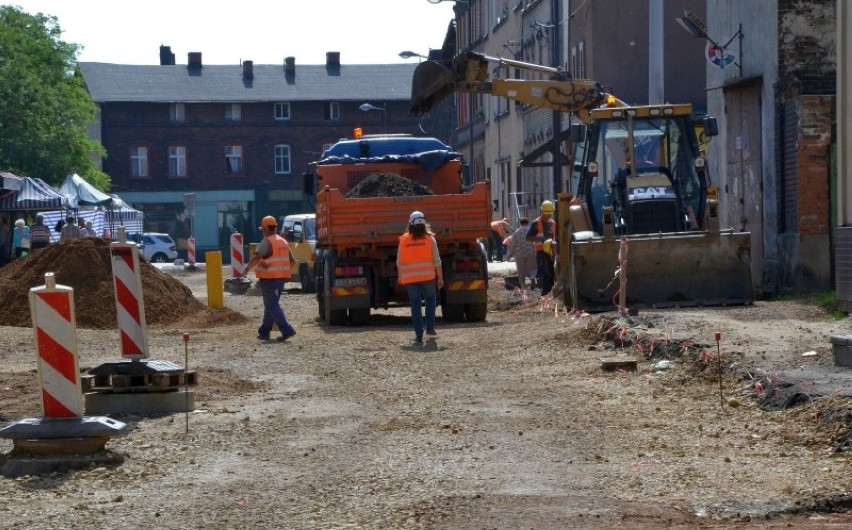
(813, 161)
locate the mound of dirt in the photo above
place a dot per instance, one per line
(387, 185)
(85, 265)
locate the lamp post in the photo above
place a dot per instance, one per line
(470, 98)
(408, 55)
(366, 107)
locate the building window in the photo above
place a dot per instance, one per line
(232, 112)
(177, 161)
(282, 159)
(581, 60)
(177, 113)
(332, 110)
(138, 162)
(233, 159)
(282, 111)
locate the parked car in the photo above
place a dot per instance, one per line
(300, 230)
(158, 248)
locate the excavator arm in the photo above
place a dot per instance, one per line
(434, 81)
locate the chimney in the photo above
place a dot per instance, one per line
(289, 65)
(248, 69)
(194, 59)
(332, 58)
(167, 58)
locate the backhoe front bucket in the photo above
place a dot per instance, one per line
(663, 270)
(432, 83)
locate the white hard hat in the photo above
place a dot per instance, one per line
(417, 218)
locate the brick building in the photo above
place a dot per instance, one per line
(238, 137)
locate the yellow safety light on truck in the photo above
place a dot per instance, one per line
(357, 133)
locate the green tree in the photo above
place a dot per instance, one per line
(44, 106)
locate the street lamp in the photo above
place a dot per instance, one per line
(367, 107)
(408, 55)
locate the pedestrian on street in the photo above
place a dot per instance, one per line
(86, 230)
(419, 264)
(524, 254)
(499, 230)
(272, 261)
(70, 230)
(541, 230)
(21, 238)
(39, 234)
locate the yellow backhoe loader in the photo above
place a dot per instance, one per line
(640, 226)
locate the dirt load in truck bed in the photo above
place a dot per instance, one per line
(387, 185)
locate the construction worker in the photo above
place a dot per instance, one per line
(273, 261)
(541, 230)
(500, 229)
(419, 265)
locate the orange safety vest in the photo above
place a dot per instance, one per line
(278, 264)
(416, 263)
(539, 245)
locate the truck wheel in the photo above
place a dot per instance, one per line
(333, 317)
(307, 278)
(476, 312)
(360, 316)
(453, 312)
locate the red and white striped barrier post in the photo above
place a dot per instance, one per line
(55, 330)
(237, 263)
(190, 251)
(129, 301)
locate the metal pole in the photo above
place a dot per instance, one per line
(557, 116)
(470, 95)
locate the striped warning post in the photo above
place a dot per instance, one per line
(129, 301)
(190, 251)
(55, 330)
(237, 263)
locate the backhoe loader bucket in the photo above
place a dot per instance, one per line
(432, 83)
(663, 270)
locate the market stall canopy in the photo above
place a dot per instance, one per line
(25, 193)
(82, 193)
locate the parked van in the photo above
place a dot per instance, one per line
(300, 230)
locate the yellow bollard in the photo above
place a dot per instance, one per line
(215, 286)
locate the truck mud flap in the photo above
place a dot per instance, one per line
(663, 270)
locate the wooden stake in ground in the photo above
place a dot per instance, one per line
(719, 362)
(186, 377)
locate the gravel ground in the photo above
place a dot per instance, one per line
(510, 423)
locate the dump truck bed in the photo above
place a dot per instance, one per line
(373, 222)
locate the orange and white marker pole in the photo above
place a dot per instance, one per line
(237, 261)
(190, 251)
(129, 301)
(55, 330)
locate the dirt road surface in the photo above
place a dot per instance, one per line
(511, 423)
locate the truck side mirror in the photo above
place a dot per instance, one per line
(578, 132)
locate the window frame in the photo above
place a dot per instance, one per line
(175, 172)
(139, 162)
(276, 157)
(177, 112)
(231, 155)
(233, 112)
(280, 116)
(332, 111)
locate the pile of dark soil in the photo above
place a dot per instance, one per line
(84, 265)
(387, 185)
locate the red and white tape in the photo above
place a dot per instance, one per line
(129, 300)
(237, 263)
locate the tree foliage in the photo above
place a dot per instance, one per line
(44, 106)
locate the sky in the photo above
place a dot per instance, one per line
(263, 31)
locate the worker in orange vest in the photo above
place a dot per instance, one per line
(541, 230)
(273, 261)
(419, 266)
(500, 229)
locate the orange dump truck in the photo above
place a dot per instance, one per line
(357, 236)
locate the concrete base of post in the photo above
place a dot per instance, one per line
(141, 402)
(42, 436)
(841, 347)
